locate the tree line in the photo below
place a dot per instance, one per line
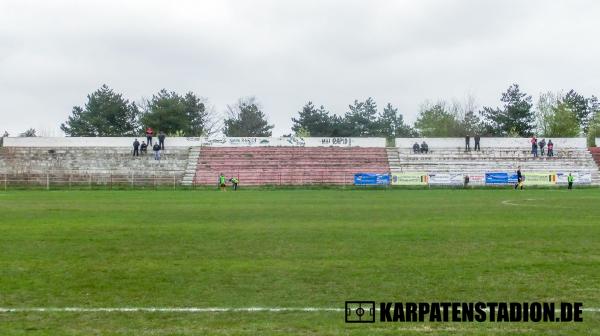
(554, 115)
(108, 113)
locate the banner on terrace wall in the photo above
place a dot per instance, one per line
(195, 141)
(371, 179)
(446, 179)
(498, 178)
(540, 178)
(477, 179)
(578, 178)
(409, 178)
(289, 142)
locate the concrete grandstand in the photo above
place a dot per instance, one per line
(277, 161)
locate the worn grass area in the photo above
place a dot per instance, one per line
(292, 248)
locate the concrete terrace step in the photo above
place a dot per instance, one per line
(281, 165)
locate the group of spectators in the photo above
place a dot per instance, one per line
(477, 139)
(544, 148)
(542, 145)
(423, 148)
(143, 147)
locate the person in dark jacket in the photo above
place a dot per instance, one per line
(424, 148)
(519, 179)
(550, 149)
(542, 144)
(143, 148)
(136, 147)
(156, 149)
(477, 139)
(161, 139)
(416, 148)
(467, 143)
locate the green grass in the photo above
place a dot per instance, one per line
(292, 248)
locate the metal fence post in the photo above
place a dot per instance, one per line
(5, 180)
(47, 181)
(90, 181)
(174, 183)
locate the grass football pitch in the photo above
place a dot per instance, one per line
(291, 248)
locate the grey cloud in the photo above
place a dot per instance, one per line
(53, 53)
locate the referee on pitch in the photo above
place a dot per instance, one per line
(519, 179)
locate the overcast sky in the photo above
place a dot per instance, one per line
(286, 52)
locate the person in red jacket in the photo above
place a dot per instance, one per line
(149, 134)
(550, 149)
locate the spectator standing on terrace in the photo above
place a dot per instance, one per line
(161, 139)
(542, 144)
(477, 139)
(467, 143)
(550, 149)
(149, 134)
(143, 148)
(156, 149)
(534, 146)
(424, 148)
(136, 146)
(570, 179)
(416, 148)
(222, 182)
(519, 179)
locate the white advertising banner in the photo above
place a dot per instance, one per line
(344, 142)
(195, 141)
(446, 179)
(578, 178)
(477, 179)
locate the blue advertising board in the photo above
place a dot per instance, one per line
(500, 178)
(371, 179)
(496, 178)
(512, 178)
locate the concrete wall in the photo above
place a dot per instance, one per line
(193, 141)
(490, 142)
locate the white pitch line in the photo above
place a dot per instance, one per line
(167, 309)
(187, 309)
(510, 202)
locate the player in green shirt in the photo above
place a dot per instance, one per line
(570, 179)
(234, 181)
(222, 182)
